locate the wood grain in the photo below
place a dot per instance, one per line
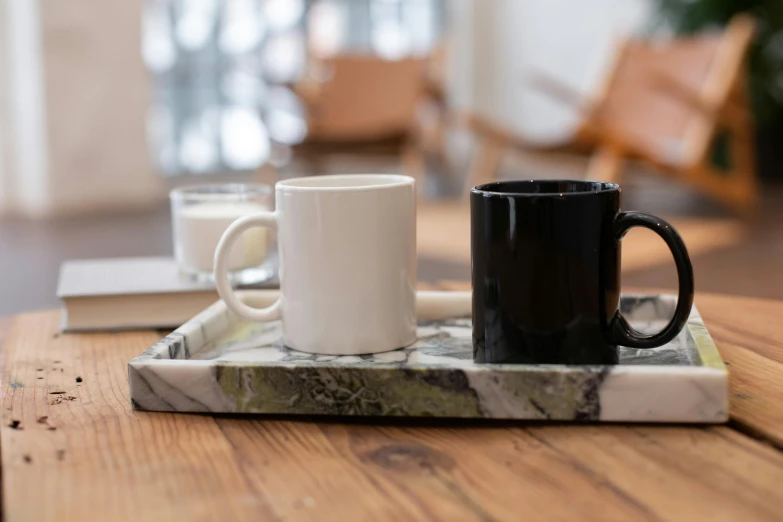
(76, 451)
(749, 335)
(85, 454)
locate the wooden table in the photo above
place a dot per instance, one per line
(73, 449)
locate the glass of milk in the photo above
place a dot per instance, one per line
(200, 215)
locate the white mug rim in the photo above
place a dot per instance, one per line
(345, 182)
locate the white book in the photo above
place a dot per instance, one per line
(130, 293)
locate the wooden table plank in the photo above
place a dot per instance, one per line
(5, 324)
(464, 471)
(76, 451)
(749, 335)
(104, 461)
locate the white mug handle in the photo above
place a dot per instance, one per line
(270, 313)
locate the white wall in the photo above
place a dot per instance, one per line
(25, 181)
(97, 96)
(76, 91)
(3, 111)
(570, 40)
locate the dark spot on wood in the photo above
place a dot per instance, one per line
(15, 385)
(40, 378)
(51, 428)
(15, 424)
(61, 370)
(409, 457)
(27, 458)
(61, 398)
(57, 393)
(61, 454)
(43, 419)
(57, 362)
(55, 336)
(79, 379)
(39, 369)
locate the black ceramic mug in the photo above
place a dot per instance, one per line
(546, 273)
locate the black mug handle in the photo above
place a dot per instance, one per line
(620, 332)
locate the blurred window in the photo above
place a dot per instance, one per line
(221, 70)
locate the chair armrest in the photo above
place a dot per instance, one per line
(481, 126)
(728, 112)
(563, 93)
(308, 91)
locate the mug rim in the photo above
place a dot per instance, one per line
(345, 182)
(208, 192)
(485, 189)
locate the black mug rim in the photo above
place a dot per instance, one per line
(503, 188)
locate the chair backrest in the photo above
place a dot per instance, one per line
(662, 98)
(367, 97)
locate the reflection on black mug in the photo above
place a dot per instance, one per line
(546, 273)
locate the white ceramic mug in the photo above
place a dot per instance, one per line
(347, 249)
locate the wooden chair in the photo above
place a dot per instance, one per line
(366, 104)
(677, 105)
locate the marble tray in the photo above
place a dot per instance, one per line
(218, 363)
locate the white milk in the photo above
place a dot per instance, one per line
(197, 230)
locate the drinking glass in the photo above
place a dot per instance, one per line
(200, 215)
